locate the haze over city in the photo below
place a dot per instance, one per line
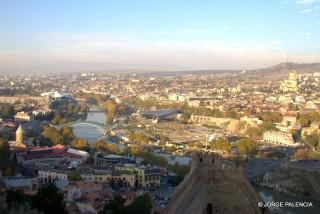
(159, 107)
(52, 36)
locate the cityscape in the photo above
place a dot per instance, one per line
(96, 123)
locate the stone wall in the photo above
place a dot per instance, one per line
(214, 186)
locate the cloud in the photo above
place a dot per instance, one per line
(107, 48)
(307, 35)
(241, 28)
(306, 11)
(185, 31)
(307, 1)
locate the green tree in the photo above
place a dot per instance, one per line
(7, 111)
(304, 121)
(49, 200)
(115, 206)
(163, 139)
(179, 170)
(111, 148)
(52, 135)
(57, 119)
(254, 132)
(15, 197)
(138, 138)
(141, 204)
(22, 209)
(247, 147)
(221, 145)
(112, 109)
(68, 135)
(312, 140)
(4, 151)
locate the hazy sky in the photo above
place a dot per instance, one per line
(162, 34)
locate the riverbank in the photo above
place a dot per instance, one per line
(296, 182)
(269, 195)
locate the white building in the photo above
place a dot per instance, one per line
(126, 178)
(280, 138)
(22, 116)
(251, 120)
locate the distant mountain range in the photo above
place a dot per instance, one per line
(279, 69)
(286, 67)
(115, 68)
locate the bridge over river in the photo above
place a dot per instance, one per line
(103, 128)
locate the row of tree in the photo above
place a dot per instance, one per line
(67, 110)
(306, 154)
(48, 200)
(65, 136)
(141, 204)
(101, 146)
(245, 146)
(6, 111)
(306, 119)
(314, 139)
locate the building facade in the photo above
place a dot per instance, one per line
(23, 116)
(111, 177)
(280, 138)
(146, 177)
(290, 84)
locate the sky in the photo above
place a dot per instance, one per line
(157, 34)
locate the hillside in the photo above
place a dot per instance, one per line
(286, 67)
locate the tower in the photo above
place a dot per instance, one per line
(215, 185)
(19, 135)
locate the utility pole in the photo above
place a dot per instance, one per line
(206, 144)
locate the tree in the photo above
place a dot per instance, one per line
(198, 145)
(115, 206)
(141, 204)
(22, 209)
(302, 154)
(64, 136)
(138, 138)
(15, 197)
(74, 176)
(81, 144)
(179, 170)
(254, 132)
(111, 148)
(6, 111)
(68, 135)
(51, 134)
(4, 151)
(312, 140)
(150, 158)
(163, 139)
(49, 200)
(57, 119)
(303, 121)
(247, 147)
(100, 145)
(221, 145)
(112, 109)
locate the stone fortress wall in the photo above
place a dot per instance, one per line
(214, 185)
